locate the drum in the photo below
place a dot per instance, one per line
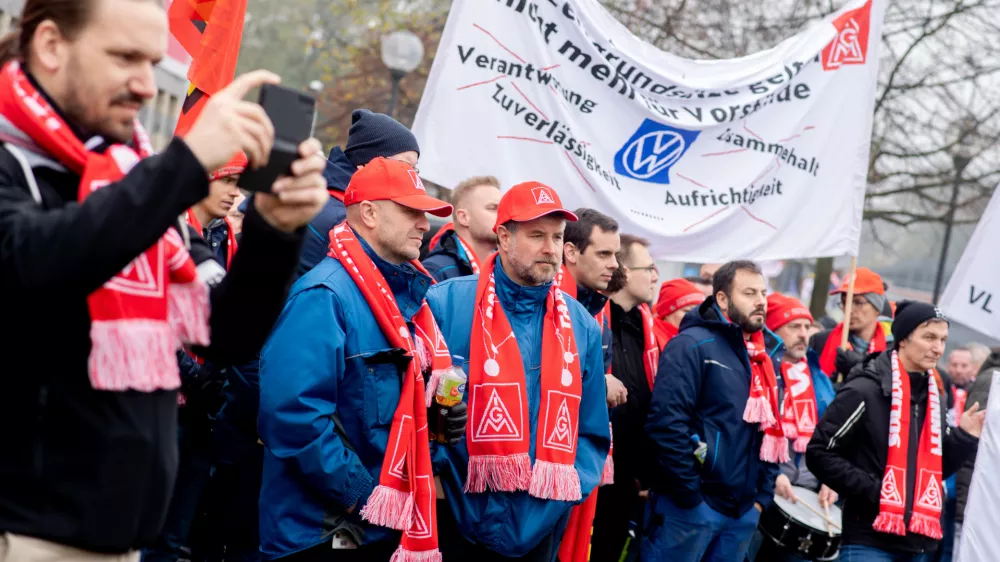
(799, 529)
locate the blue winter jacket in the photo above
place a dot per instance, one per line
(702, 386)
(514, 523)
(448, 259)
(316, 244)
(328, 356)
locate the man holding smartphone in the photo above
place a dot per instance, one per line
(91, 263)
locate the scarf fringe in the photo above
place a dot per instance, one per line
(891, 523)
(551, 481)
(133, 355)
(927, 526)
(800, 444)
(188, 310)
(509, 473)
(403, 555)
(608, 474)
(774, 448)
(758, 410)
(432, 384)
(388, 507)
(790, 429)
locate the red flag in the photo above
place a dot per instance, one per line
(210, 31)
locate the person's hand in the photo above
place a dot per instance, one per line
(644, 495)
(783, 488)
(229, 124)
(846, 360)
(617, 393)
(295, 200)
(455, 420)
(827, 496)
(972, 420)
(758, 507)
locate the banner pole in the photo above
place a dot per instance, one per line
(850, 303)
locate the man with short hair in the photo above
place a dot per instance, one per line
(677, 297)
(883, 443)
(371, 135)
(93, 259)
(804, 392)
(704, 285)
(962, 373)
(866, 335)
(715, 391)
(538, 432)
(342, 387)
(636, 356)
(589, 263)
(464, 243)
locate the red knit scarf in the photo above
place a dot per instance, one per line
(798, 412)
(231, 244)
(961, 395)
(139, 317)
(651, 346)
(665, 331)
(827, 359)
(405, 497)
(762, 404)
(499, 427)
(926, 517)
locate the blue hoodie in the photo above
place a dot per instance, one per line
(316, 245)
(514, 523)
(702, 386)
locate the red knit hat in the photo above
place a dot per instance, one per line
(677, 294)
(235, 166)
(781, 310)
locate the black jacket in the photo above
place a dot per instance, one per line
(849, 448)
(978, 392)
(86, 468)
(631, 452)
(447, 259)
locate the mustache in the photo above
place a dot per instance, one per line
(128, 97)
(553, 262)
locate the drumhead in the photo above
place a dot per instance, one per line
(803, 515)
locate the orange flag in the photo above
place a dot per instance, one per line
(210, 31)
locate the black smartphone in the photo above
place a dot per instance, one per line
(293, 114)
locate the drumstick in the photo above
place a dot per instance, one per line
(824, 517)
(829, 529)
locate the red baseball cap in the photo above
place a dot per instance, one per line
(235, 166)
(677, 294)
(528, 201)
(867, 282)
(782, 309)
(384, 179)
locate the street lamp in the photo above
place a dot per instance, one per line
(402, 52)
(961, 155)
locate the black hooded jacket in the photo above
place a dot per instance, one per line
(850, 446)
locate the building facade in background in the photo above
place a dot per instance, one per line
(159, 115)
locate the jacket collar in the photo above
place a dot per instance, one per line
(621, 319)
(408, 286)
(590, 299)
(448, 245)
(518, 298)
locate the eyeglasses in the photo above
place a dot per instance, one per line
(650, 268)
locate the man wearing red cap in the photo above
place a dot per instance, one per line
(538, 434)
(804, 392)
(343, 414)
(677, 298)
(866, 334)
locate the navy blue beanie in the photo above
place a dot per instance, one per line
(376, 134)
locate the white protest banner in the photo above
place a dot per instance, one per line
(968, 298)
(762, 157)
(979, 541)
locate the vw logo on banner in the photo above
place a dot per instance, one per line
(652, 150)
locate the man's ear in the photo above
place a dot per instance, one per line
(570, 253)
(462, 217)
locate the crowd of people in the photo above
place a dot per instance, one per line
(249, 377)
